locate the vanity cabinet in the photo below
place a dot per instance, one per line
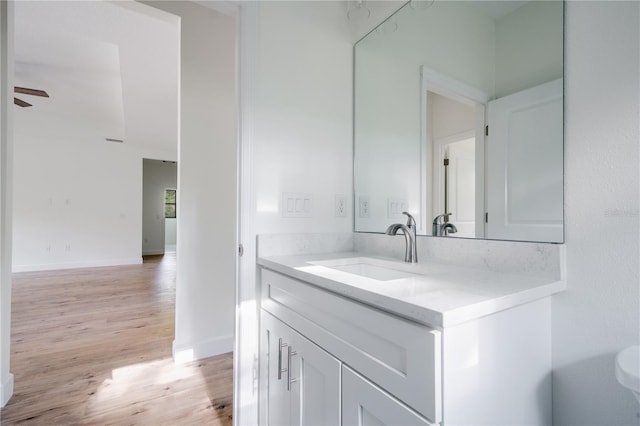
(354, 364)
(400, 356)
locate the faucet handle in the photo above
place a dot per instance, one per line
(410, 220)
(435, 219)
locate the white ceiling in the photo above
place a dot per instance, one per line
(103, 63)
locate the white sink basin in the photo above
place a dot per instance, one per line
(365, 267)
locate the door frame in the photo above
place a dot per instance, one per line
(246, 343)
(6, 194)
(433, 81)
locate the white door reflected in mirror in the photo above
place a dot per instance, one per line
(524, 165)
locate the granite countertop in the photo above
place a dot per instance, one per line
(434, 294)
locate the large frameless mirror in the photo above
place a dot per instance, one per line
(459, 120)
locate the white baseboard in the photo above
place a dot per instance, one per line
(152, 252)
(6, 391)
(204, 349)
(76, 265)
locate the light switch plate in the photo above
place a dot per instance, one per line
(395, 207)
(297, 204)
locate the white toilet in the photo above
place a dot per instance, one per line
(628, 369)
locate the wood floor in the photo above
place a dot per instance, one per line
(93, 347)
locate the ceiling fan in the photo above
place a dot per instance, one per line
(27, 91)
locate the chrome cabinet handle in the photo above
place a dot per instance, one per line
(280, 370)
(290, 353)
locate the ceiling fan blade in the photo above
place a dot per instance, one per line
(21, 103)
(27, 91)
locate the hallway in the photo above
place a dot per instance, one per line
(93, 346)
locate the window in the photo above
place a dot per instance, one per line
(170, 203)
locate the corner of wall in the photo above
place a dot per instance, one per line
(6, 390)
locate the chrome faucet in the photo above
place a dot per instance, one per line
(448, 228)
(442, 229)
(410, 240)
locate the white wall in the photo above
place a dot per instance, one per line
(170, 232)
(448, 117)
(303, 113)
(76, 196)
(599, 313)
(156, 177)
(207, 174)
(528, 51)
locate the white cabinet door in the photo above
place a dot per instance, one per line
(365, 404)
(275, 400)
(307, 390)
(525, 165)
(316, 386)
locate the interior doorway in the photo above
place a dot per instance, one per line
(455, 181)
(170, 220)
(452, 126)
(453, 154)
(159, 212)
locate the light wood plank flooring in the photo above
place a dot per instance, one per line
(93, 346)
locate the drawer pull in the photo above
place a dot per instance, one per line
(290, 353)
(280, 369)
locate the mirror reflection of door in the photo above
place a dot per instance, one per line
(451, 134)
(455, 189)
(525, 165)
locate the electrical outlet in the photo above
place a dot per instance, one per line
(341, 205)
(363, 206)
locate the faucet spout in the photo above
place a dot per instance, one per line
(410, 238)
(444, 228)
(448, 228)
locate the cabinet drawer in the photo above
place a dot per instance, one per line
(400, 356)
